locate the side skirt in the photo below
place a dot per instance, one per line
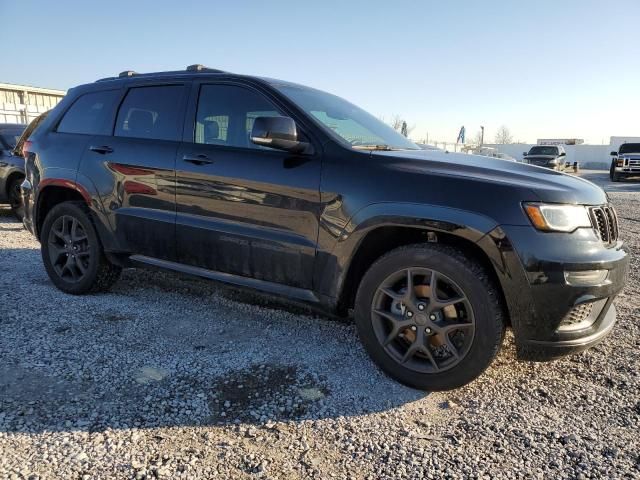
(252, 283)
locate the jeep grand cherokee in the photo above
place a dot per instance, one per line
(277, 187)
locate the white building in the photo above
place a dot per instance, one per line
(22, 103)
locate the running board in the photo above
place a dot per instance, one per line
(263, 285)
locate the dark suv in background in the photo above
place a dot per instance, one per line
(11, 167)
(548, 156)
(286, 189)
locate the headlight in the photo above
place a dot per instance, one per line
(557, 218)
(553, 162)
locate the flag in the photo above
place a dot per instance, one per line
(461, 135)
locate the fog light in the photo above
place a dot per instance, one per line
(586, 278)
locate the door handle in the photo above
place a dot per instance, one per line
(200, 159)
(101, 149)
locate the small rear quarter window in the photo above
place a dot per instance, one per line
(88, 114)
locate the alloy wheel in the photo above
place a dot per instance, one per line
(423, 320)
(69, 250)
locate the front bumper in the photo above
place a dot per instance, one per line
(539, 299)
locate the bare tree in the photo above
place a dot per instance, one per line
(503, 136)
(400, 125)
(396, 122)
(476, 139)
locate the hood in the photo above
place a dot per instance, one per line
(547, 185)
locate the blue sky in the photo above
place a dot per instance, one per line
(543, 68)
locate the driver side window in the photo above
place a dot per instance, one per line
(226, 114)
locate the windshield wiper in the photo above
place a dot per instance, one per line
(373, 147)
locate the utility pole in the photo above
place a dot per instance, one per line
(481, 135)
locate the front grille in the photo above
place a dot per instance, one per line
(605, 222)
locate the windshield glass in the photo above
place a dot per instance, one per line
(345, 121)
(630, 148)
(543, 151)
(10, 136)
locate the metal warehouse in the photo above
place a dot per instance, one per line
(23, 103)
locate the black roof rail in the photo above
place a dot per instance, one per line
(196, 67)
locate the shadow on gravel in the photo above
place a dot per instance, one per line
(162, 350)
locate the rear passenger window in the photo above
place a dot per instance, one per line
(88, 113)
(151, 112)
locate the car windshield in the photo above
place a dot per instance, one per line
(630, 148)
(348, 123)
(10, 136)
(543, 151)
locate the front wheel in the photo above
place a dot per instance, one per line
(15, 197)
(72, 253)
(429, 317)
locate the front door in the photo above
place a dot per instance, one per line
(241, 208)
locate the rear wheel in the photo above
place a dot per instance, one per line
(429, 317)
(72, 253)
(15, 197)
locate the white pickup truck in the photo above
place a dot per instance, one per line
(625, 162)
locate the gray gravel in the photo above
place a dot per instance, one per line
(171, 377)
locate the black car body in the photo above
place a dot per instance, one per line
(625, 162)
(315, 218)
(548, 156)
(11, 166)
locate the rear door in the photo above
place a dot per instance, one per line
(241, 208)
(136, 166)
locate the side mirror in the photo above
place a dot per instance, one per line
(277, 132)
(615, 154)
(524, 154)
(563, 154)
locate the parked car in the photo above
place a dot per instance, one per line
(11, 167)
(289, 190)
(426, 146)
(492, 152)
(625, 162)
(549, 156)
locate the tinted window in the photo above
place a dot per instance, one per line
(226, 114)
(151, 112)
(346, 121)
(88, 113)
(543, 151)
(10, 136)
(630, 148)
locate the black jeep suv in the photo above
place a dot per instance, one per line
(277, 187)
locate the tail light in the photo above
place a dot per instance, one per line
(26, 146)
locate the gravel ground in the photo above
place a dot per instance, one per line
(171, 377)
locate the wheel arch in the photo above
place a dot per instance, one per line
(379, 228)
(52, 191)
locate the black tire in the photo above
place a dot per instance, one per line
(97, 273)
(615, 177)
(612, 170)
(476, 287)
(15, 197)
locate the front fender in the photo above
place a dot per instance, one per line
(333, 265)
